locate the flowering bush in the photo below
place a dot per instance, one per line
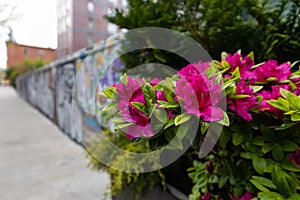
(257, 154)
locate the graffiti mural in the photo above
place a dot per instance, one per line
(51, 89)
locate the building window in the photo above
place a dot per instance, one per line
(90, 25)
(114, 2)
(41, 52)
(91, 7)
(25, 51)
(90, 41)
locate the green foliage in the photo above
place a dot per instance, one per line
(250, 159)
(26, 66)
(290, 104)
(131, 184)
(269, 28)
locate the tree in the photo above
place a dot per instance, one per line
(26, 66)
(6, 14)
(269, 28)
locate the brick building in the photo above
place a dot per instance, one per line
(80, 23)
(17, 53)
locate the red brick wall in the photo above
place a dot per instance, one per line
(16, 53)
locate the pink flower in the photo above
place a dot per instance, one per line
(200, 95)
(194, 69)
(248, 196)
(270, 69)
(242, 105)
(274, 94)
(125, 91)
(209, 167)
(295, 158)
(132, 92)
(206, 196)
(243, 63)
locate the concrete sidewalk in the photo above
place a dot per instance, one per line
(37, 161)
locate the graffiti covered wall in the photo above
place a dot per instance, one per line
(66, 91)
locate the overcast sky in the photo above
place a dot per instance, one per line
(35, 25)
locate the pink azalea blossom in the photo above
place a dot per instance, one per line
(206, 196)
(209, 167)
(132, 92)
(246, 196)
(270, 69)
(200, 95)
(242, 105)
(243, 63)
(295, 158)
(194, 69)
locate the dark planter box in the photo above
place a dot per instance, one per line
(154, 193)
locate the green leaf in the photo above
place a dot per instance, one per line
(256, 88)
(257, 65)
(251, 55)
(236, 73)
(170, 123)
(295, 117)
(277, 153)
(259, 164)
(164, 104)
(238, 138)
(160, 57)
(292, 98)
(294, 197)
(118, 120)
(279, 178)
(259, 186)
(225, 120)
(175, 144)
(110, 92)
(267, 147)
(123, 125)
(280, 103)
(222, 181)
(285, 126)
(268, 134)
(182, 118)
(269, 196)
(239, 96)
(141, 107)
(288, 165)
(258, 141)
(204, 127)
(271, 79)
(294, 101)
(124, 79)
(161, 115)
(182, 131)
(169, 95)
(264, 181)
(247, 155)
(149, 94)
(288, 145)
(170, 134)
